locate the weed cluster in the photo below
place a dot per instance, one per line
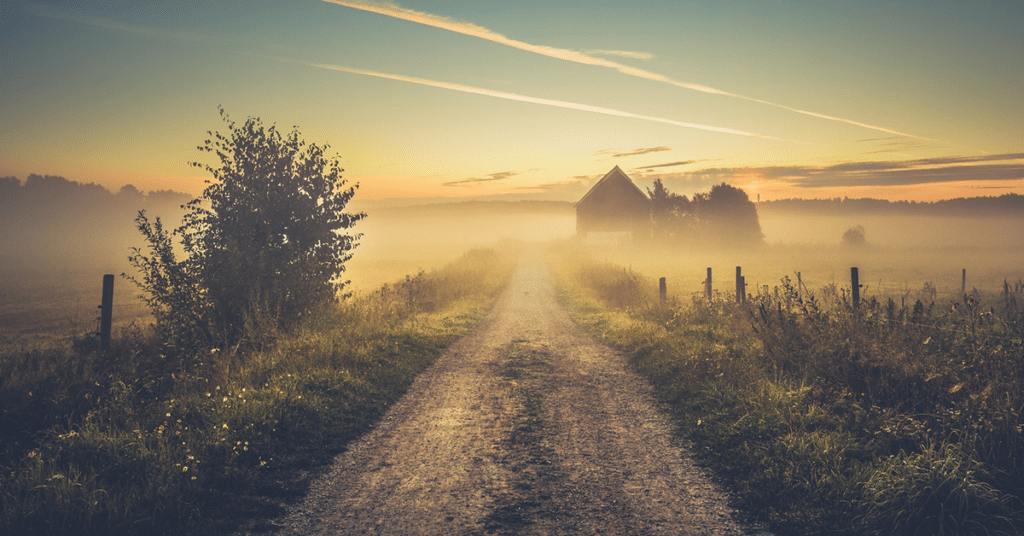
(888, 418)
(146, 440)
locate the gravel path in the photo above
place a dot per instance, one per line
(526, 426)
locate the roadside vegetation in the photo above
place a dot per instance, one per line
(258, 367)
(899, 417)
(138, 440)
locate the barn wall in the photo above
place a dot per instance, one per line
(616, 206)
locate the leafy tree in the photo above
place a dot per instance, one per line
(263, 245)
(854, 236)
(729, 215)
(722, 216)
(670, 212)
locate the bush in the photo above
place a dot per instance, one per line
(854, 236)
(264, 244)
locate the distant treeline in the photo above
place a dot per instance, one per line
(1003, 205)
(50, 221)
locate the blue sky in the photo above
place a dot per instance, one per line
(907, 100)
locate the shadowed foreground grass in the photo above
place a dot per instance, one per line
(885, 419)
(145, 440)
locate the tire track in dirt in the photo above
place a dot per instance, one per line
(526, 426)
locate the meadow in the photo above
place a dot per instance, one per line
(820, 417)
(146, 440)
(902, 416)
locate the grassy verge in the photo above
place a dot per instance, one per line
(886, 419)
(144, 440)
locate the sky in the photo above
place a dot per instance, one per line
(428, 99)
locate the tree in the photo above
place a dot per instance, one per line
(854, 236)
(670, 212)
(264, 244)
(723, 216)
(729, 215)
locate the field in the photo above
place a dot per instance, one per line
(900, 417)
(818, 416)
(145, 439)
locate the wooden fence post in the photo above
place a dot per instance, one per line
(963, 282)
(106, 311)
(799, 287)
(741, 291)
(855, 284)
(662, 289)
(707, 286)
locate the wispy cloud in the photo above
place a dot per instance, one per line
(493, 176)
(111, 25)
(622, 54)
(670, 164)
(998, 167)
(636, 152)
(546, 102)
(466, 28)
(894, 145)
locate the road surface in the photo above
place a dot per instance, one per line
(526, 426)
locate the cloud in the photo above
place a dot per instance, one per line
(998, 167)
(538, 100)
(110, 25)
(492, 177)
(636, 152)
(466, 28)
(622, 54)
(894, 145)
(670, 164)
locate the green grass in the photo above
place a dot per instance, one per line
(147, 440)
(888, 419)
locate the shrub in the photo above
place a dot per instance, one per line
(264, 244)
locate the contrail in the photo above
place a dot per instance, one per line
(466, 28)
(546, 102)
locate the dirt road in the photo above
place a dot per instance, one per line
(527, 426)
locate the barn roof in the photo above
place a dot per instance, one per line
(613, 176)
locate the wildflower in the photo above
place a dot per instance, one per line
(184, 469)
(225, 425)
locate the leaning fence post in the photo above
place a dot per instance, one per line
(707, 286)
(106, 311)
(855, 283)
(662, 289)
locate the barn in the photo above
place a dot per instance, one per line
(614, 204)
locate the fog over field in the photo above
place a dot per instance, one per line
(58, 237)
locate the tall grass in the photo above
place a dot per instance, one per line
(145, 440)
(890, 418)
